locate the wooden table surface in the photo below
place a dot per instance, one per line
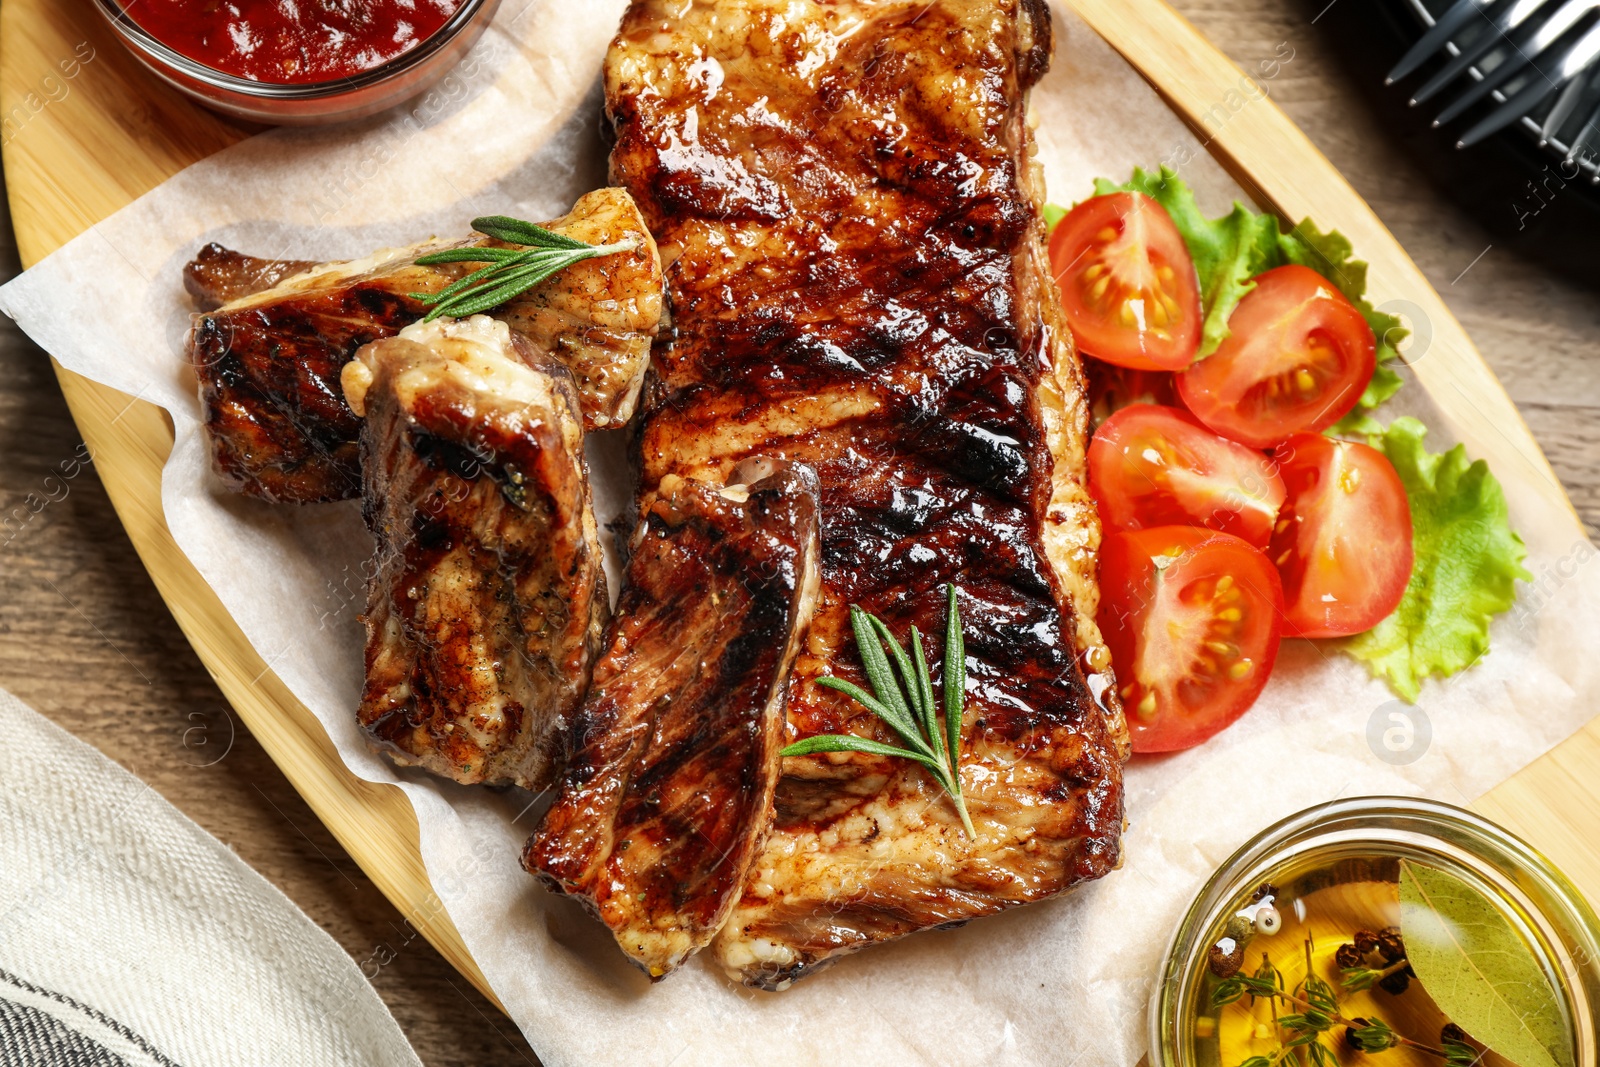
(85, 639)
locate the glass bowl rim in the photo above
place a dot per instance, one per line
(1171, 977)
(153, 49)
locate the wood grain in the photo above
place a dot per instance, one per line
(66, 86)
(84, 638)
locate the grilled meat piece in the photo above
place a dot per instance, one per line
(487, 599)
(218, 275)
(668, 789)
(268, 361)
(847, 197)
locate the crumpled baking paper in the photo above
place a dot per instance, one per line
(517, 129)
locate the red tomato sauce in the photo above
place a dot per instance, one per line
(291, 41)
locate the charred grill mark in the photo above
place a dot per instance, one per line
(488, 598)
(876, 305)
(472, 459)
(268, 360)
(269, 382)
(674, 757)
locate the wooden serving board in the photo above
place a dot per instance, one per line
(87, 130)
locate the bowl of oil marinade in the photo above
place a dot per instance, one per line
(1382, 931)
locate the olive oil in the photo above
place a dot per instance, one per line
(1358, 931)
(1330, 932)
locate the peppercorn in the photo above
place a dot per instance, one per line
(1350, 1034)
(1366, 941)
(1240, 929)
(1225, 964)
(1263, 891)
(1452, 1034)
(1396, 983)
(1390, 946)
(1349, 956)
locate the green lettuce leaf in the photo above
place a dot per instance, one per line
(1468, 561)
(1228, 252)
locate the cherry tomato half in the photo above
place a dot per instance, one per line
(1343, 540)
(1129, 287)
(1192, 618)
(1157, 466)
(1298, 357)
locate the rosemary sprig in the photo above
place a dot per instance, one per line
(906, 702)
(510, 271)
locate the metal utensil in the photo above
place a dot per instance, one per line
(1576, 61)
(1520, 53)
(1459, 18)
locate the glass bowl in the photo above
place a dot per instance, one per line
(1361, 834)
(312, 103)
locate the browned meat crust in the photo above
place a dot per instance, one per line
(668, 792)
(218, 275)
(488, 597)
(846, 195)
(268, 360)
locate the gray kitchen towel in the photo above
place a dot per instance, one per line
(130, 936)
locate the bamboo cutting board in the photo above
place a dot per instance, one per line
(86, 131)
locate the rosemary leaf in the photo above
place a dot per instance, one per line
(496, 292)
(510, 271)
(906, 703)
(1229, 991)
(477, 278)
(851, 743)
(901, 724)
(908, 675)
(504, 228)
(955, 680)
(473, 254)
(876, 664)
(924, 689)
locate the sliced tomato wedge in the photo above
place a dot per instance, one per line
(1343, 540)
(1157, 466)
(1129, 287)
(1297, 358)
(1192, 618)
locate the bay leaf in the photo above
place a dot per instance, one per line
(1479, 970)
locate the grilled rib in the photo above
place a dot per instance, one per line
(268, 359)
(847, 196)
(668, 789)
(487, 599)
(218, 275)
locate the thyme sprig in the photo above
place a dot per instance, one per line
(1359, 979)
(906, 702)
(1302, 1032)
(510, 271)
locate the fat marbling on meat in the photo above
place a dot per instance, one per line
(488, 597)
(847, 198)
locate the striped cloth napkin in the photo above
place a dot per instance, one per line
(130, 936)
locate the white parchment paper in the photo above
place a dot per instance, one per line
(517, 130)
